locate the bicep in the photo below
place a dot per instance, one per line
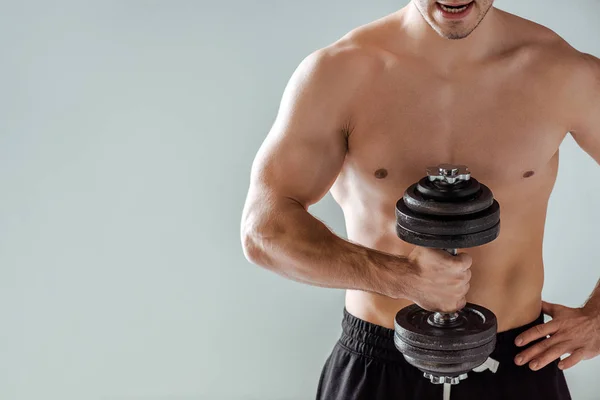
(306, 147)
(586, 130)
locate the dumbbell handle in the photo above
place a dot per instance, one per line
(454, 252)
(446, 318)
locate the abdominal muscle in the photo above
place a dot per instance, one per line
(507, 277)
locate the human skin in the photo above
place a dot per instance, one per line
(363, 118)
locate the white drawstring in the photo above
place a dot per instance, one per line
(447, 388)
(490, 364)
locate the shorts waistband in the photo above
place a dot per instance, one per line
(377, 341)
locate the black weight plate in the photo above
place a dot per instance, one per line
(447, 225)
(448, 241)
(441, 191)
(475, 355)
(419, 204)
(444, 369)
(476, 326)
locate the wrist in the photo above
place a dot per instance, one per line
(390, 275)
(592, 309)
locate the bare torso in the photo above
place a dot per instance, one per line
(502, 116)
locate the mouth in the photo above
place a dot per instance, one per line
(453, 10)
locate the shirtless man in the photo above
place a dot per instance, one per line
(363, 118)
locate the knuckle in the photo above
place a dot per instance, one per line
(466, 259)
(548, 357)
(459, 262)
(459, 280)
(544, 345)
(468, 274)
(440, 308)
(466, 289)
(447, 308)
(539, 329)
(530, 353)
(458, 283)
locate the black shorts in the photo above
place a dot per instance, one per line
(365, 365)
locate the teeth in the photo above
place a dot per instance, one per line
(453, 10)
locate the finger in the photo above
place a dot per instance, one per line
(550, 355)
(459, 263)
(466, 288)
(551, 309)
(548, 308)
(572, 360)
(534, 351)
(537, 332)
(461, 304)
(456, 282)
(465, 261)
(466, 275)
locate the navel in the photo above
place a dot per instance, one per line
(528, 174)
(381, 173)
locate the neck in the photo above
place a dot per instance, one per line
(447, 53)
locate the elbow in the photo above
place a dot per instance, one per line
(253, 245)
(252, 250)
(264, 236)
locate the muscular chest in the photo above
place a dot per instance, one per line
(505, 129)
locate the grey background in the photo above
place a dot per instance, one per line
(127, 130)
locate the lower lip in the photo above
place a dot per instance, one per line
(460, 15)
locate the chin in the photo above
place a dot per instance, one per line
(454, 35)
(460, 23)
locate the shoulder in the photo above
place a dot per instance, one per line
(536, 43)
(585, 77)
(583, 96)
(344, 68)
(361, 53)
(574, 74)
(561, 72)
(548, 56)
(543, 46)
(354, 59)
(340, 61)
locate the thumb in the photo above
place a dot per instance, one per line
(549, 308)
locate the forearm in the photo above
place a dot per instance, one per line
(293, 243)
(593, 302)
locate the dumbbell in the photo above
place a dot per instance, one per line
(450, 210)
